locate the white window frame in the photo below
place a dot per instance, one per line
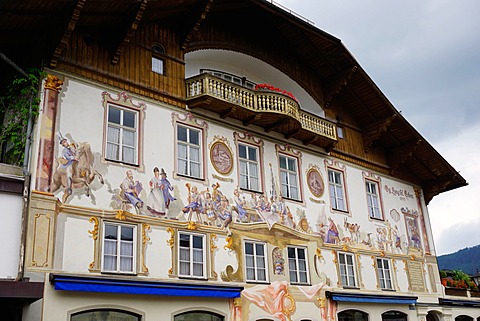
(192, 259)
(289, 178)
(118, 249)
(158, 65)
(256, 262)
(374, 203)
(384, 274)
(295, 263)
(338, 202)
(248, 163)
(347, 271)
(121, 144)
(189, 147)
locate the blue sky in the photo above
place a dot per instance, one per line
(425, 57)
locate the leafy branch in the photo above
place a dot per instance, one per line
(20, 102)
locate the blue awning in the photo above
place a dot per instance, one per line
(367, 298)
(88, 284)
(471, 303)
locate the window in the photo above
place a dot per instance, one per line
(189, 152)
(249, 167)
(373, 200)
(105, 314)
(122, 135)
(255, 262)
(384, 274)
(337, 190)
(157, 65)
(191, 255)
(198, 316)
(289, 177)
(395, 316)
(119, 247)
(347, 269)
(340, 132)
(297, 265)
(352, 315)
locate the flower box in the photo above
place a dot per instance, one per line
(455, 291)
(475, 293)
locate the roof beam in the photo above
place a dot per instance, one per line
(72, 22)
(399, 155)
(202, 17)
(337, 84)
(278, 123)
(376, 130)
(129, 32)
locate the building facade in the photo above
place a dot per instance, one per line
(188, 165)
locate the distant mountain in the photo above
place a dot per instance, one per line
(467, 260)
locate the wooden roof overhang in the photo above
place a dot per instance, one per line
(36, 32)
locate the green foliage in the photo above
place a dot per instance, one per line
(459, 275)
(19, 97)
(443, 274)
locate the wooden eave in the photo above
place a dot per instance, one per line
(34, 33)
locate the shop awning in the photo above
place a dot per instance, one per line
(370, 298)
(91, 284)
(467, 303)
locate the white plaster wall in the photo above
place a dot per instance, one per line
(11, 230)
(78, 245)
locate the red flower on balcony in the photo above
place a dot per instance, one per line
(276, 89)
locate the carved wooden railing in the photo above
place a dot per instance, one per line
(258, 101)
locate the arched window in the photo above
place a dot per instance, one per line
(104, 315)
(352, 315)
(463, 318)
(432, 316)
(198, 316)
(394, 316)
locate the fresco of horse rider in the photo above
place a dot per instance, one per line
(75, 168)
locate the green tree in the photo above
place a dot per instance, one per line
(19, 104)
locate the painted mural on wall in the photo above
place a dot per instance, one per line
(75, 168)
(413, 229)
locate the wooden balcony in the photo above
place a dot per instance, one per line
(267, 109)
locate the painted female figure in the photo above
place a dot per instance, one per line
(155, 199)
(332, 233)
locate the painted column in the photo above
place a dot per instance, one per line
(418, 196)
(46, 149)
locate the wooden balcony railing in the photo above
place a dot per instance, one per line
(258, 101)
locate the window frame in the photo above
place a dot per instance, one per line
(332, 190)
(297, 271)
(248, 140)
(189, 145)
(118, 254)
(255, 267)
(189, 121)
(371, 197)
(191, 260)
(124, 102)
(381, 275)
(248, 162)
(347, 274)
(156, 62)
(288, 152)
(122, 128)
(288, 173)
